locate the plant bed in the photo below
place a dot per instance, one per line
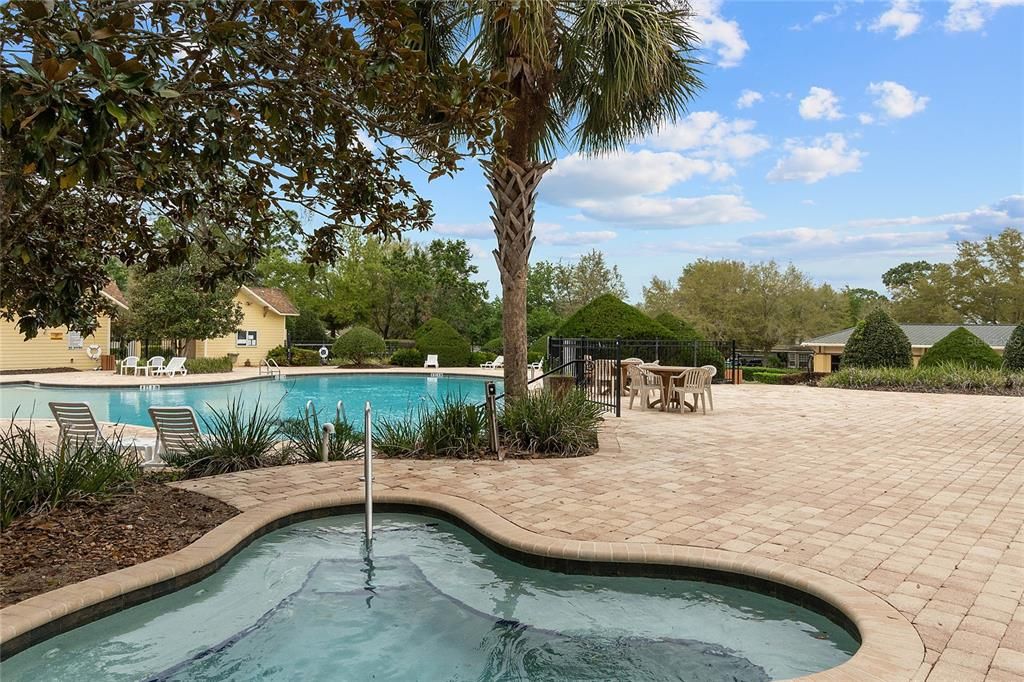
(81, 540)
(943, 379)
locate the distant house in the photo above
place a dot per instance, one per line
(263, 327)
(828, 349)
(56, 346)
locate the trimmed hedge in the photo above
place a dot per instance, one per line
(408, 357)
(1013, 354)
(750, 372)
(961, 347)
(437, 337)
(301, 357)
(495, 346)
(606, 317)
(358, 344)
(877, 342)
(208, 365)
(942, 379)
(680, 327)
(479, 357)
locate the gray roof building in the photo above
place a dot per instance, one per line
(925, 335)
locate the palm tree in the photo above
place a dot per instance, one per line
(587, 74)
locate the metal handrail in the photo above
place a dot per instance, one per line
(545, 374)
(272, 367)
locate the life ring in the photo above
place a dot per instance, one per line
(324, 352)
(93, 351)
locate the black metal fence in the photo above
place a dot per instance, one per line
(599, 366)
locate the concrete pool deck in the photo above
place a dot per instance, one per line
(915, 498)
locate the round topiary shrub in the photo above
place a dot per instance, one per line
(877, 341)
(408, 357)
(680, 327)
(437, 337)
(495, 346)
(477, 358)
(606, 317)
(1013, 354)
(358, 344)
(961, 347)
(694, 350)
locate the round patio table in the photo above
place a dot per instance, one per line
(665, 373)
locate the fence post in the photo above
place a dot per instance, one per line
(491, 410)
(617, 379)
(288, 347)
(734, 364)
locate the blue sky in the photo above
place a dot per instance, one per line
(842, 137)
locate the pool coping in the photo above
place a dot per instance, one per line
(890, 650)
(386, 371)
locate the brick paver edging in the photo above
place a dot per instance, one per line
(891, 649)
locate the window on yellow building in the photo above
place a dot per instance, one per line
(245, 338)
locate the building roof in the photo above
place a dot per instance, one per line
(114, 293)
(925, 335)
(275, 299)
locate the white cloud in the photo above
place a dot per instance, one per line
(749, 98)
(807, 202)
(972, 15)
(709, 134)
(554, 234)
(1007, 212)
(828, 156)
(897, 101)
(820, 103)
(465, 230)
(662, 211)
(821, 17)
(721, 35)
(865, 119)
(904, 16)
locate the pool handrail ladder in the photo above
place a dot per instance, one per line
(271, 367)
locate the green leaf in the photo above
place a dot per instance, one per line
(115, 110)
(134, 80)
(29, 69)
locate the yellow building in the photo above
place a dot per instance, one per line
(828, 349)
(265, 310)
(57, 347)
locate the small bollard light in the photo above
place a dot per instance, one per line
(325, 441)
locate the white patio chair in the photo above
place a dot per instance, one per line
(176, 365)
(712, 371)
(495, 363)
(176, 429)
(431, 361)
(132, 363)
(691, 382)
(641, 384)
(156, 363)
(77, 423)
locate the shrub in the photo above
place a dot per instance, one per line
(408, 357)
(680, 327)
(495, 346)
(453, 428)
(479, 357)
(358, 344)
(233, 441)
(34, 477)
(944, 378)
(749, 373)
(209, 365)
(534, 356)
(877, 341)
(307, 327)
(301, 357)
(607, 317)
(1013, 354)
(278, 354)
(396, 436)
(539, 347)
(961, 347)
(437, 337)
(305, 437)
(540, 423)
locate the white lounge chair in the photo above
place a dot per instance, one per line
(642, 384)
(691, 382)
(156, 363)
(495, 363)
(175, 366)
(77, 423)
(712, 371)
(431, 361)
(132, 363)
(176, 429)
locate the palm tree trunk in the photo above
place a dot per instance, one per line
(514, 191)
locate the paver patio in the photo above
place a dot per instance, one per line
(915, 497)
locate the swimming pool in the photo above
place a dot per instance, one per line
(390, 395)
(433, 603)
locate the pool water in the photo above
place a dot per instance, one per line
(391, 395)
(431, 602)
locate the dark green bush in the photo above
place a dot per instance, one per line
(301, 357)
(749, 372)
(1013, 354)
(358, 345)
(961, 347)
(540, 346)
(209, 365)
(877, 341)
(534, 356)
(680, 327)
(437, 337)
(495, 346)
(233, 441)
(542, 424)
(606, 317)
(36, 477)
(306, 328)
(477, 358)
(408, 357)
(278, 354)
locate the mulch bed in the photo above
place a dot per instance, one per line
(39, 553)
